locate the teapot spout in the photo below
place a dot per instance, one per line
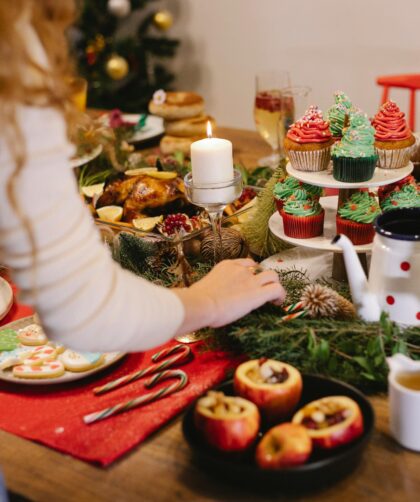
(366, 303)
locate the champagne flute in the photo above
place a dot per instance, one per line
(268, 110)
(294, 104)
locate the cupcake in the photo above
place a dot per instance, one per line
(354, 157)
(394, 141)
(385, 190)
(286, 187)
(356, 216)
(406, 196)
(308, 142)
(302, 219)
(338, 114)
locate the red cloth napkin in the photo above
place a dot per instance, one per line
(52, 414)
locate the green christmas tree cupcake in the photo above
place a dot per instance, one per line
(406, 196)
(354, 157)
(302, 218)
(286, 187)
(356, 216)
(337, 114)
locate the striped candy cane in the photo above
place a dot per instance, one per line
(180, 375)
(182, 354)
(293, 307)
(295, 315)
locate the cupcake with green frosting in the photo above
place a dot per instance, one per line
(356, 216)
(303, 218)
(402, 197)
(338, 114)
(354, 158)
(286, 187)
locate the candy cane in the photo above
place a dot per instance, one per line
(293, 307)
(295, 315)
(146, 398)
(183, 354)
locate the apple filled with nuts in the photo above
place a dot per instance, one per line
(285, 445)
(275, 387)
(331, 421)
(227, 423)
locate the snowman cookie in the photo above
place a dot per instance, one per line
(32, 335)
(81, 361)
(13, 357)
(49, 369)
(40, 355)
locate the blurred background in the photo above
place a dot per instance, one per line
(325, 44)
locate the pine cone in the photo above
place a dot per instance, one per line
(321, 301)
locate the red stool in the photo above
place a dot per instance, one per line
(411, 81)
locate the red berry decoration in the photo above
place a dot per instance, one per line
(405, 266)
(418, 316)
(176, 223)
(390, 300)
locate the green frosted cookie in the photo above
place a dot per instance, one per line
(8, 340)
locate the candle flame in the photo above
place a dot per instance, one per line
(209, 131)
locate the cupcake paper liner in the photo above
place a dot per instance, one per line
(394, 159)
(358, 233)
(310, 160)
(303, 227)
(352, 170)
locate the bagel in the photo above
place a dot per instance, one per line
(171, 144)
(178, 105)
(194, 126)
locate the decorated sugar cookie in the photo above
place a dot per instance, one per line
(13, 357)
(81, 361)
(57, 346)
(41, 354)
(49, 369)
(32, 335)
(8, 339)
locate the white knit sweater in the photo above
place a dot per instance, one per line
(84, 299)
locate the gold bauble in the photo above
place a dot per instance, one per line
(117, 67)
(163, 20)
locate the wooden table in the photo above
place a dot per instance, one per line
(161, 469)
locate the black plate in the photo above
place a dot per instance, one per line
(323, 467)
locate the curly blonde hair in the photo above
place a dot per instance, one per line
(50, 86)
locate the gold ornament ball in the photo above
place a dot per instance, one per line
(163, 20)
(117, 67)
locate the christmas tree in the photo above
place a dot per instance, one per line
(121, 52)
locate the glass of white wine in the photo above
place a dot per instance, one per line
(268, 110)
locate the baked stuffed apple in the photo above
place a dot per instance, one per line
(228, 423)
(275, 387)
(331, 421)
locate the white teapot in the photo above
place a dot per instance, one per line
(394, 277)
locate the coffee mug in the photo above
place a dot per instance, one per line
(404, 402)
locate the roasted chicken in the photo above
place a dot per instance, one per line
(141, 195)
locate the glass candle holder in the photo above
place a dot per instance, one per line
(214, 197)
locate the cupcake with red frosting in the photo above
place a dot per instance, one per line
(393, 139)
(308, 142)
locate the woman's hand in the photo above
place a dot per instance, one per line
(231, 290)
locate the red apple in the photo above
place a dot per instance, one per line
(227, 423)
(331, 421)
(275, 387)
(286, 445)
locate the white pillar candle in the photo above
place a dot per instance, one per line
(211, 161)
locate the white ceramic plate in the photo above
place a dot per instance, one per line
(69, 376)
(152, 129)
(322, 242)
(325, 178)
(84, 159)
(6, 298)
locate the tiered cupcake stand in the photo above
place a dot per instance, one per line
(325, 179)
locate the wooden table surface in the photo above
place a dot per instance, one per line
(161, 469)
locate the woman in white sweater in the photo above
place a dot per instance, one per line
(47, 236)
